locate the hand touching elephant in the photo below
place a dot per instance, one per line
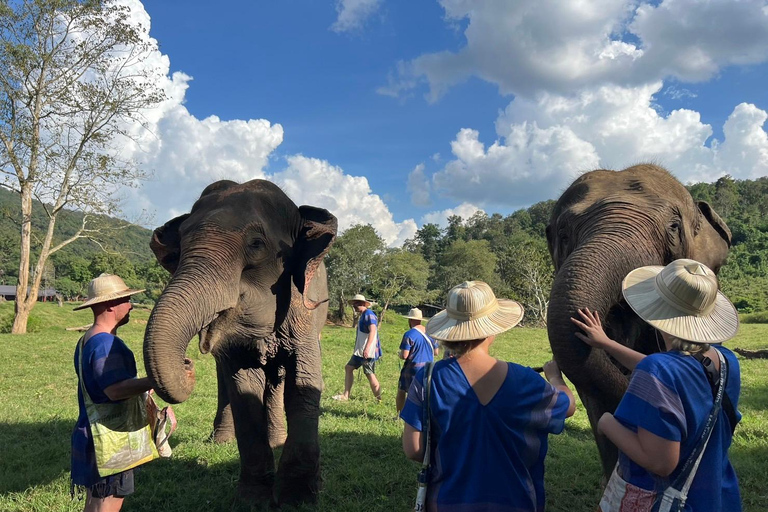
(606, 224)
(248, 277)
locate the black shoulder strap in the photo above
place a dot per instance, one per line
(713, 377)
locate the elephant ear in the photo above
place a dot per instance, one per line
(316, 234)
(166, 243)
(715, 220)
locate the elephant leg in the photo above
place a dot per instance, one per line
(273, 397)
(299, 470)
(257, 463)
(596, 406)
(223, 424)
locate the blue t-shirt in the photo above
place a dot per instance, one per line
(367, 319)
(421, 348)
(488, 457)
(106, 361)
(669, 395)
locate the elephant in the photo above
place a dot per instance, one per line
(248, 277)
(604, 225)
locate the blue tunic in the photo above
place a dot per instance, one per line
(421, 348)
(669, 396)
(367, 319)
(106, 361)
(487, 457)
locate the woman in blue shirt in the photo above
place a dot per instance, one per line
(660, 419)
(489, 419)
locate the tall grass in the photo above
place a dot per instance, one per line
(363, 468)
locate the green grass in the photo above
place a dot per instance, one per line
(363, 467)
(755, 318)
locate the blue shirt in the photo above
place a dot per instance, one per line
(106, 361)
(487, 457)
(421, 348)
(669, 395)
(367, 319)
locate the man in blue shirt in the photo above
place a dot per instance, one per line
(416, 349)
(109, 375)
(367, 349)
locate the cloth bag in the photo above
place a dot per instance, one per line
(163, 423)
(621, 496)
(421, 493)
(122, 437)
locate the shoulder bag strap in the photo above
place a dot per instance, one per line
(86, 396)
(681, 485)
(427, 419)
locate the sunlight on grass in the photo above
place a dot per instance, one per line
(363, 467)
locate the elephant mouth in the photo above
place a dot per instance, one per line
(205, 342)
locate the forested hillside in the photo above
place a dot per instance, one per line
(510, 253)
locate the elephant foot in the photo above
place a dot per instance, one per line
(299, 492)
(220, 436)
(256, 494)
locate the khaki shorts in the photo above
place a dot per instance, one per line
(369, 365)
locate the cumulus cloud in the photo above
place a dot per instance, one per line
(352, 14)
(562, 45)
(418, 187)
(349, 198)
(464, 210)
(544, 143)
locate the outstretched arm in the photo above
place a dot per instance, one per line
(595, 337)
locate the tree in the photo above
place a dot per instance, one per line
(351, 264)
(73, 86)
(465, 261)
(401, 279)
(526, 270)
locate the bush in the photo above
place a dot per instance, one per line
(755, 318)
(34, 324)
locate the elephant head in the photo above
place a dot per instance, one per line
(604, 225)
(236, 260)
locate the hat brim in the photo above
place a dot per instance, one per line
(444, 328)
(368, 303)
(415, 318)
(639, 290)
(107, 298)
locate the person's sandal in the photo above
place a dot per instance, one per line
(340, 398)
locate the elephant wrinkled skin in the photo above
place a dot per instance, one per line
(248, 277)
(604, 225)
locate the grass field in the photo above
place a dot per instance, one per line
(363, 466)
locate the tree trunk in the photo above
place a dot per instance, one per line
(752, 354)
(22, 309)
(21, 317)
(384, 311)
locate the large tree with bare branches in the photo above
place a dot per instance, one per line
(74, 81)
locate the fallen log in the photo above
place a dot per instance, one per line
(752, 354)
(82, 328)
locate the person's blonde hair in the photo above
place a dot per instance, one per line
(688, 347)
(460, 348)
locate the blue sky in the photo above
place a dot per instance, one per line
(400, 112)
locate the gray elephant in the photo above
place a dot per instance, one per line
(604, 225)
(248, 277)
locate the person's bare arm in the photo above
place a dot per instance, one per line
(127, 388)
(370, 345)
(656, 454)
(596, 337)
(555, 377)
(404, 354)
(413, 443)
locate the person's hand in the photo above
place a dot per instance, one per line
(369, 353)
(552, 371)
(603, 421)
(590, 323)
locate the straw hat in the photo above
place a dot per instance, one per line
(682, 299)
(361, 298)
(104, 288)
(414, 314)
(473, 312)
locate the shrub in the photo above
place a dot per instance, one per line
(755, 318)
(34, 324)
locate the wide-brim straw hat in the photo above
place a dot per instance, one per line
(105, 288)
(682, 299)
(414, 314)
(361, 298)
(473, 312)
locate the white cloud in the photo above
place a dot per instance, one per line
(349, 198)
(418, 187)
(353, 14)
(545, 143)
(561, 45)
(464, 210)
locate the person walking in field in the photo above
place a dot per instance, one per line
(416, 350)
(367, 349)
(489, 420)
(107, 374)
(675, 423)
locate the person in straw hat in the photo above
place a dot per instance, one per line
(367, 349)
(416, 349)
(109, 375)
(660, 420)
(489, 419)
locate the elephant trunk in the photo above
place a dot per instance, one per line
(190, 302)
(591, 278)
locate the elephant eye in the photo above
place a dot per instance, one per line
(257, 243)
